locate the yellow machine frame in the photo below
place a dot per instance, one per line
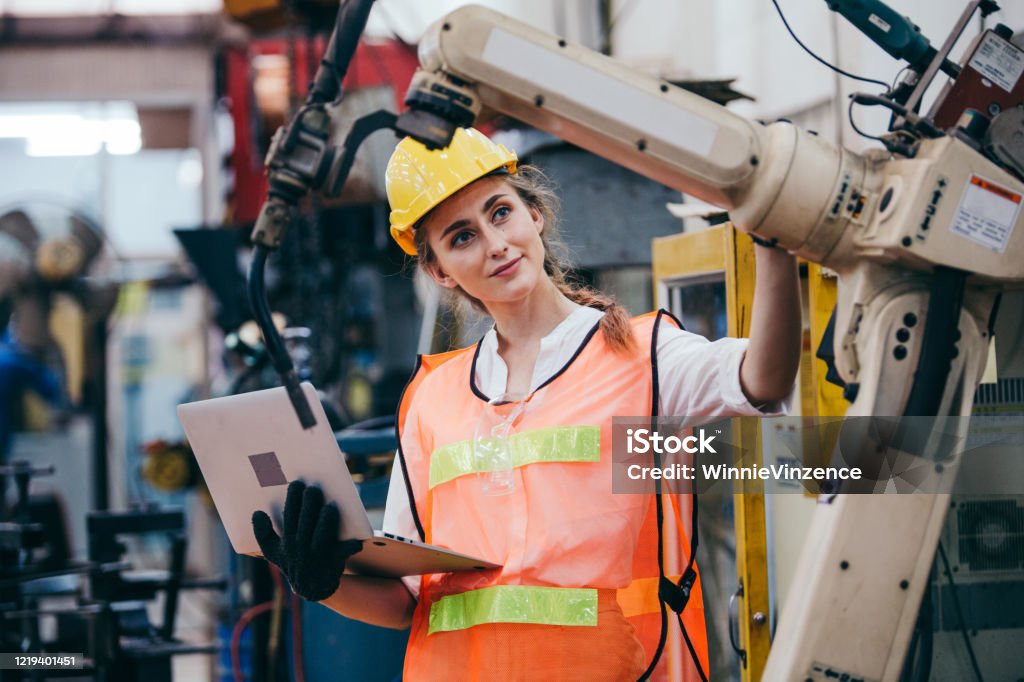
(722, 250)
(717, 250)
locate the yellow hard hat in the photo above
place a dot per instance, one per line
(418, 179)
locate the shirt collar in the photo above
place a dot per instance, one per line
(556, 350)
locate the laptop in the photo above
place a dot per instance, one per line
(251, 446)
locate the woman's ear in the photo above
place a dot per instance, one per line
(538, 218)
(440, 276)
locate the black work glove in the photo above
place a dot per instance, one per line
(309, 552)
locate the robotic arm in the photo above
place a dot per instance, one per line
(777, 181)
(923, 236)
(477, 58)
(884, 222)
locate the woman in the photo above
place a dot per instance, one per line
(573, 599)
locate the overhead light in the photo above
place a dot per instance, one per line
(73, 134)
(103, 7)
(66, 142)
(29, 125)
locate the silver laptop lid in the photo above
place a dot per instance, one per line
(251, 446)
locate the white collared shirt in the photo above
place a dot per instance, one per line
(695, 377)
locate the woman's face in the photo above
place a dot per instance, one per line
(487, 241)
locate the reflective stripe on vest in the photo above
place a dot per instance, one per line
(553, 444)
(514, 604)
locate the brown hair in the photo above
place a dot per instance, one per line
(536, 191)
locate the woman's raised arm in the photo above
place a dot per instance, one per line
(773, 355)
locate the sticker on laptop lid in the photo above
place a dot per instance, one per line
(268, 469)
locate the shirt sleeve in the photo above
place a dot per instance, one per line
(398, 510)
(697, 377)
(398, 518)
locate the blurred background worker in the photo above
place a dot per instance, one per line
(19, 371)
(505, 446)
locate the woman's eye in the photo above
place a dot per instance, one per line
(500, 213)
(461, 238)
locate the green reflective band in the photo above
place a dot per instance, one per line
(553, 444)
(515, 604)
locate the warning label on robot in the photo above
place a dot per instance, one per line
(987, 213)
(998, 61)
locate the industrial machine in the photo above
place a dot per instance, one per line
(110, 623)
(924, 233)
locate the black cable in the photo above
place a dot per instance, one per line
(810, 52)
(258, 303)
(960, 614)
(272, 341)
(877, 100)
(896, 78)
(342, 45)
(911, 117)
(849, 115)
(889, 142)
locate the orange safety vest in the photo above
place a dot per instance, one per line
(577, 595)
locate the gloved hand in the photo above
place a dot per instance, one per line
(308, 552)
